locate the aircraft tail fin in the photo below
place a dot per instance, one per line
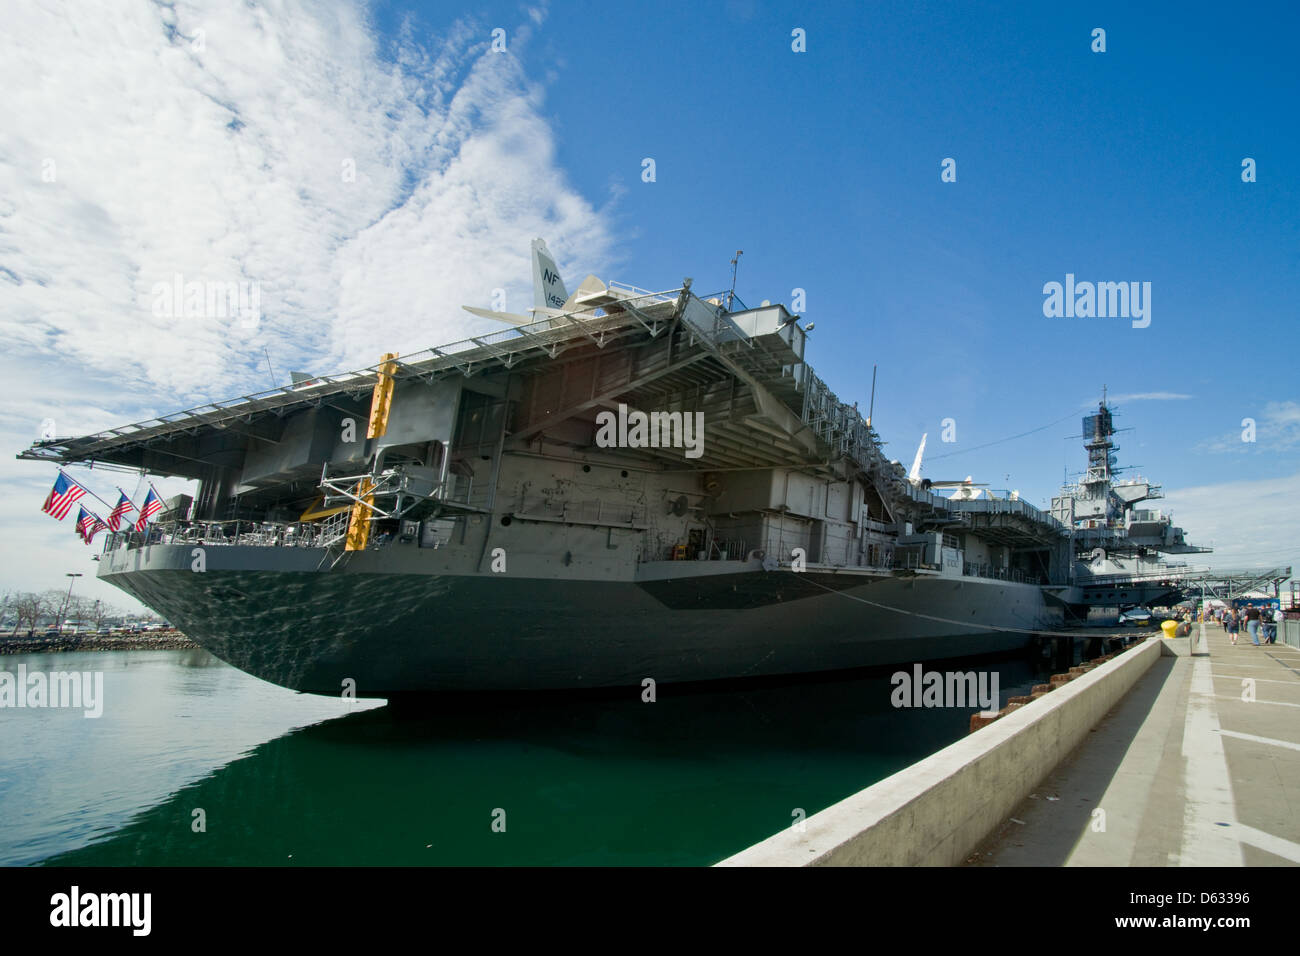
(548, 287)
(914, 475)
(590, 286)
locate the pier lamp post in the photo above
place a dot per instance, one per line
(63, 618)
(1205, 647)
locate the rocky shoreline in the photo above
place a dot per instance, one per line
(172, 641)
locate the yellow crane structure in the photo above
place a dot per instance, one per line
(381, 404)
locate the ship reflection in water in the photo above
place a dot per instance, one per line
(688, 779)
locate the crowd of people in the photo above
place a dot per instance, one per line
(1261, 623)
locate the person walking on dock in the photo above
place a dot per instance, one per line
(1252, 624)
(1230, 622)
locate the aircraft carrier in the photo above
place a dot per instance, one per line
(623, 485)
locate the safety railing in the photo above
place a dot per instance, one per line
(1168, 573)
(1005, 506)
(979, 570)
(505, 346)
(910, 559)
(248, 534)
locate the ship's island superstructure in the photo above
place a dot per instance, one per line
(532, 508)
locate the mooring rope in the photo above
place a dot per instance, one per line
(943, 620)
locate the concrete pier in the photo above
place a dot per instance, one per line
(936, 811)
(1182, 752)
(1199, 765)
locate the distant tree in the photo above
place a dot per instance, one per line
(55, 597)
(88, 610)
(79, 608)
(56, 604)
(29, 608)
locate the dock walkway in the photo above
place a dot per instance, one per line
(1199, 765)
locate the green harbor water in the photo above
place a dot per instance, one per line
(278, 778)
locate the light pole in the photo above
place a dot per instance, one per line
(1205, 647)
(63, 620)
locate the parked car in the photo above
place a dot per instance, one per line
(1135, 617)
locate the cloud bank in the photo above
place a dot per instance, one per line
(365, 186)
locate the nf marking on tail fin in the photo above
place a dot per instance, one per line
(549, 298)
(548, 287)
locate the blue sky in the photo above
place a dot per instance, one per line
(823, 166)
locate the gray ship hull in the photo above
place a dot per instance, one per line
(285, 616)
(584, 451)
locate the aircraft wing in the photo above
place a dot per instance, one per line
(508, 317)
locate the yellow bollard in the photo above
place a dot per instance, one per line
(1169, 627)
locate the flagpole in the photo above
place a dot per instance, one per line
(99, 525)
(114, 516)
(161, 503)
(87, 490)
(92, 514)
(161, 500)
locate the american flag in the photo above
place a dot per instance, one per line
(62, 495)
(115, 516)
(88, 525)
(152, 505)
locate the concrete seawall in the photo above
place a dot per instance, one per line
(937, 811)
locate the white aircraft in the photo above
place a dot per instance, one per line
(963, 490)
(914, 476)
(550, 300)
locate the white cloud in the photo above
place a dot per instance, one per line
(1248, 523)
(224, 161)
(1276, 428)
(1150, 397)
(231, 163)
